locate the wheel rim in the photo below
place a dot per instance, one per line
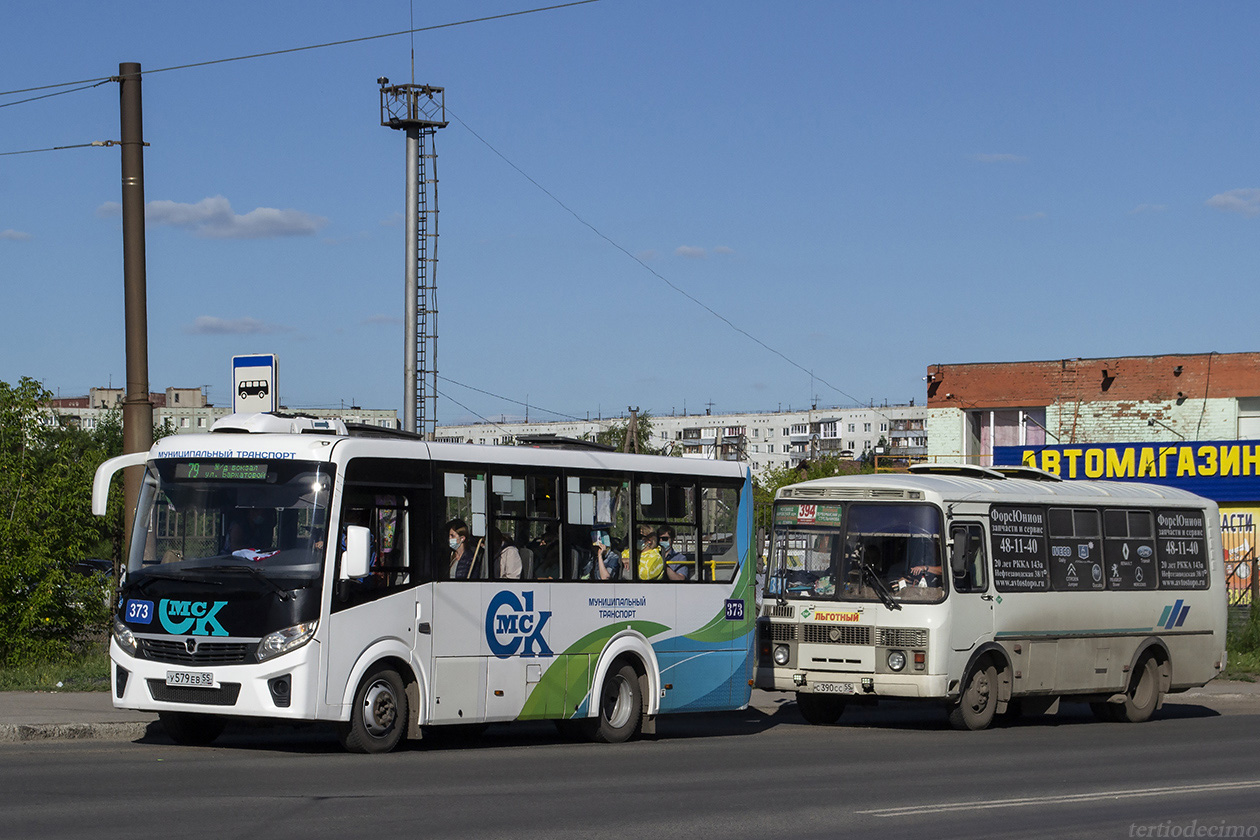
(978, 692)
(617, 699)
(380, 709)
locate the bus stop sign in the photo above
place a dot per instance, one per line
(254, 385)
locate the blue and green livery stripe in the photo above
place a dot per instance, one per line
(1173, 616)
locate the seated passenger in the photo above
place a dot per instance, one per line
(651, 566)
(461, 553)
(546, 550)
(607, 563)
(675, 562)
(509, 558)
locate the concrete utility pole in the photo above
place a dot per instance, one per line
(631, 442)
(137, 415)
(421, 111)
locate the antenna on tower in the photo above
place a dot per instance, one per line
(420, 110)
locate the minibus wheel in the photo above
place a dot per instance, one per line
(378, 718)
(977, 701)
(620, 707)
(1143, 695)
(819, 710)
(192, 730)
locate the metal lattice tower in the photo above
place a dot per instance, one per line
(420, 110)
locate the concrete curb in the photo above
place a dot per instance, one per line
(11, 733)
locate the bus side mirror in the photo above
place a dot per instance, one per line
(355, 560)
(958, 551)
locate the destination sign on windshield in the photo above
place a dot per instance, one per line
(220, 471)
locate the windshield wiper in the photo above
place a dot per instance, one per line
(148, 577)
(877, 583)
(284, 594)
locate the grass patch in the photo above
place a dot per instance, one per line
(88, 672)
(1243, 645)
(1242, 666)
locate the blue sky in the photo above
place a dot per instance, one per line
(865, 188)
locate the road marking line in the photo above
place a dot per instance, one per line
(1060, 799)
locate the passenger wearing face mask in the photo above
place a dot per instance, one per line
(650, 565)
(675, 561)
(461, 553)
(607, 563)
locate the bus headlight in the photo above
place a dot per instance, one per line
(283, 641)
(896, 659)
(125, 638)
(781, 655)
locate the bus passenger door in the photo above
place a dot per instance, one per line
(381, 614)
(971, 610)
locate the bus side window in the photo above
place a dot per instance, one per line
(718, 554)
(967, 559)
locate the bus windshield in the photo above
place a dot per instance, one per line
(857, 552)
(264, 518)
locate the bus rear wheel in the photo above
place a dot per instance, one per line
(1143, 696)
(378, 718)
(977, 702)
(192, 730)
(819, 710)
(620, 707)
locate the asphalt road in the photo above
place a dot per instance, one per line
(897, 771)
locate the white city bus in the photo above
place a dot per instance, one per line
(993, 590)
(310, 575)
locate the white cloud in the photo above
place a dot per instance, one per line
(15, 235)
(210, 325)
(1244, 201)
(690, 252)
(999, 158)
(213, 218)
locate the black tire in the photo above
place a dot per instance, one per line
(379, 716)
(192, 730)
(620, 707)
(977, 701)
(819, 709)
(1143, 696)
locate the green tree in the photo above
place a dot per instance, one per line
(46, 526)
(615, 435)
(769, 481)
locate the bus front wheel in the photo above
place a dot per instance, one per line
(819, 710)
(378, 719)
(620, 707)
(978, 700)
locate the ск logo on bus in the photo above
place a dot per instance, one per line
(195, 617)
(513, 624)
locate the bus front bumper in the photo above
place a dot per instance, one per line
(284, 687)
(925, 686)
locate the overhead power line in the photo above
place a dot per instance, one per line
(101, 80)
(49, 95)
(100, 143)
(508, 399)
(648, 268)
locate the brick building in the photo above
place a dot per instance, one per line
(1191, 421)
